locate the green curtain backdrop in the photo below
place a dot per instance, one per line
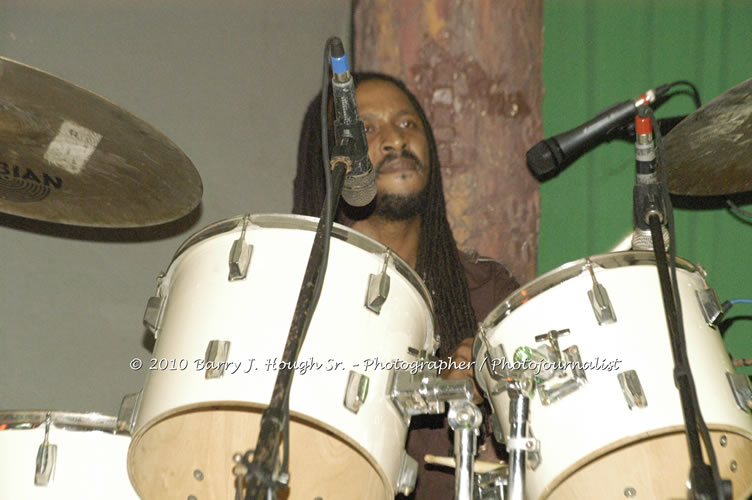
(600, 52)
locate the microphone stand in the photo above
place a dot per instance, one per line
(259, 473)
(464, 419)
(700, 475)
(649, 208)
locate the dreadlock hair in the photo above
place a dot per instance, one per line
(438, 261)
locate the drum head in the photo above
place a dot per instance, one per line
(191, 453)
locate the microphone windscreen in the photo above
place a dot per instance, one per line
(543, 160)
(359, 190)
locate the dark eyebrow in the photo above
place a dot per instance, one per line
(404, 112)
(398, 114)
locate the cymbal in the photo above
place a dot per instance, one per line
(709, 153)
(69, 156)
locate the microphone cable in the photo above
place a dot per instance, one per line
(681, 346)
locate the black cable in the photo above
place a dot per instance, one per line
(329, 207)
(681, 341)
(328, 219)
(275, 419)
(740, 213)
(694, 92)
(326, 216)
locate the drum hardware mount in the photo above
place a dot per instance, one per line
(602, 308)
(489, 478)
(523, 447)
(465, 419)
(498, 432)
(554, 389)
(742, 390)
(378, 286)
(565, 378)
(240, 255)
(424, 354)
(521, 444)
(710, 305)
(552, 337)
(46, 457)
(155, 308)
(424, 392)
(496, 352)
(632, 389)
(553, 385)
(215, 358)
(356, 391)
(408, 474)
(492, 485)
(421, 353)
(129, 407)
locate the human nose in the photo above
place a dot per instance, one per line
(392, 139)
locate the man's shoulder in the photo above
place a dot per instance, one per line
(481, 270)
(488, 282)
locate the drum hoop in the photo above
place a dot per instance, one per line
(568, 271)
(288, 221)
(31, 419)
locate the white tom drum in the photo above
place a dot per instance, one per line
(85, 457)
(615, 428)
(347, 439)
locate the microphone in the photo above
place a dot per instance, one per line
(360, 181)
(550, 156)
(647, 194)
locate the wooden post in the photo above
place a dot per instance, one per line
(475, 66)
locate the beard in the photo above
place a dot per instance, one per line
(401, 207)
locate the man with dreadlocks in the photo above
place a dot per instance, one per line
(409, 216)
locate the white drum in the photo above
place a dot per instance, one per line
(88, 461)
(618, 432)
(191, 422)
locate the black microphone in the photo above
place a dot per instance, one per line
(550, 156)
(360, 181)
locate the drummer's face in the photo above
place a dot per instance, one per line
(397, 143)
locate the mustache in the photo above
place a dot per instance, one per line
(394, 156)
